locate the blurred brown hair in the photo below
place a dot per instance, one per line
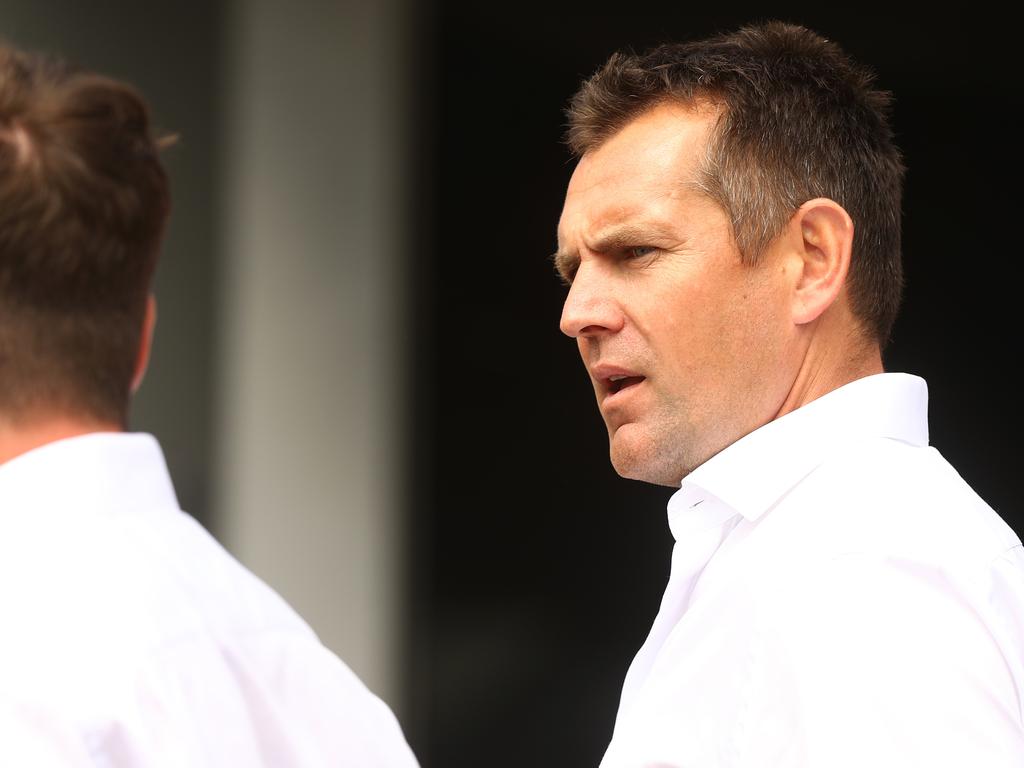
(799, 120)
(83, 204)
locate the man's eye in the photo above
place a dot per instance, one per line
(640, 251)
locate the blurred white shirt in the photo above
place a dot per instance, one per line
(839, 597)
(129, 637)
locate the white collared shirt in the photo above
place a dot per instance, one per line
(129, 637)
(839, 598)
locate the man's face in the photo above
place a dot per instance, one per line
(686, 346)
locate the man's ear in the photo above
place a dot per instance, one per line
(822, 231)
(145, 343)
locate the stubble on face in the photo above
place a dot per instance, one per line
(705, 392)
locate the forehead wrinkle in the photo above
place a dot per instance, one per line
(623, 225)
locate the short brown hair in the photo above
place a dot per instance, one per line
(799, 120)
(83, 204)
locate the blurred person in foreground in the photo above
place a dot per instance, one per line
(838, 595)
(129, 636)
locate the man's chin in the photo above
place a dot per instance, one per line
(636, 457)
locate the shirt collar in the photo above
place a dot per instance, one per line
(101, 472)
(753, 473)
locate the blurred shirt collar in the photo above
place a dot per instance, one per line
(101, 471)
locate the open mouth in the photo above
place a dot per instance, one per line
(618, 383)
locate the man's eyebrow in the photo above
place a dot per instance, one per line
(615, 238)
(622, 236)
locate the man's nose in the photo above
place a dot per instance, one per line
(590, 308)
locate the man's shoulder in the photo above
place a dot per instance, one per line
(887, 498)
(884, 516)
(102, 594)
(92, 528)
(142, 625)
(884, 570)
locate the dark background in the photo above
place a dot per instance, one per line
(536, 570)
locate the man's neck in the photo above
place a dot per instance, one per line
(838, 354)
(19, 438)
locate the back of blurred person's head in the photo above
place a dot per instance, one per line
(83, 204)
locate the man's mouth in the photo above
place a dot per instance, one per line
(618, 383)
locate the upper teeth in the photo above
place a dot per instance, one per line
(617, 377)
